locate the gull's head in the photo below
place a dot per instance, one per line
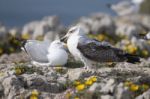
(73, 31)
(57, 44)
(147, 37)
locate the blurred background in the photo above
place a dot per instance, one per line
(124, 24)
(19, 12)
(48, 20)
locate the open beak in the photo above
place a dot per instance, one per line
(64, 39)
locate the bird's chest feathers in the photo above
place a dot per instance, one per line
(72, 45)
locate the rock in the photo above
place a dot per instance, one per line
(35, 80)
(1, 91)
(145, 95)
(30, 27)
(40, 30)
(3, 33)
(15, 31)
(108, 87)
(51, 36)
(52, 21)
(76, 74)
(102, 23)
(13, 86)
(98, 23)
(122, 92)
(14, 58)
(129, 30)
(106, 97)
(142, 44)
(49, 28)
(94, 87)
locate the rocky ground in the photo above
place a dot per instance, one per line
(19, 79)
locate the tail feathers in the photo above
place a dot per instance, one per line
(132, 58)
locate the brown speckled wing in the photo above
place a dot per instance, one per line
(99, 52)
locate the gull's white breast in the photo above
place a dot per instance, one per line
(72, 44)
(57, 57)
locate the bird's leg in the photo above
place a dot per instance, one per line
(87, 67)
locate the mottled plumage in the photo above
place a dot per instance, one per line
(90, 51)
(97, 51)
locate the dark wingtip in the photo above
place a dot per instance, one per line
(132, 58)
(23, 43)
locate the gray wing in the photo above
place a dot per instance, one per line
(37, 50)
(100, 51)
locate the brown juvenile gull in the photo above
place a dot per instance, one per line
(91, 51)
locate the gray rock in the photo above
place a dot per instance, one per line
(106, 97)
(129, 30)
(13, 86)
(145, 95)
(122, 92)
(102, 23)
(51, 36)
(30, 27)
(1, 91)
(108, 87)
(98, 23)
(74, 74)
(142, 44)
(35, 80)
(95, 87)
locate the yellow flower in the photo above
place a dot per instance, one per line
(89, 82)
(33, 97)
(128, 83)
(18, 71)
(58, 68)
(90, 36)
(35, 92)
(80, 87)
(94, 78)
(68, 95)
(132, 49)
(76, 82)
(145, 52)
(134, 87)
(1, 50)
(76, 98)
(101, 37)
(25, 36)
(145, 86)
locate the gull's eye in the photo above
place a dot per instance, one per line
(71, 31)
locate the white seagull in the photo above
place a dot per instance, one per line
(147, 36)
(126, 7)
(46, 54)
(91, 51)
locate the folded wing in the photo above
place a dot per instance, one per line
(37, 50)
